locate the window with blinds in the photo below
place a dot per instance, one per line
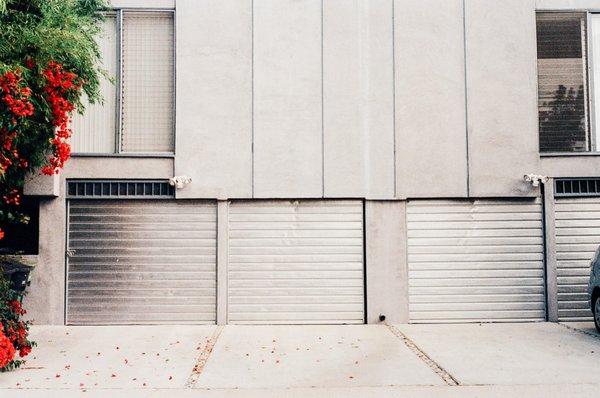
(95, 131)
(562, 81)
(137, 115)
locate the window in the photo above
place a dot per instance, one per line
(562, 85)
(137, 113)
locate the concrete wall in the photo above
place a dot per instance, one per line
(385, 99)
(431, 132)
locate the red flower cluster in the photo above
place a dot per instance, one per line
(59, 84)
(12, 197)
(17, 335)
(7, 350)
(15, 96)
(16, 307)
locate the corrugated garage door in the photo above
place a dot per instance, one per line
(475, 261)
(577, 238)
(135, 262)
(296, 262)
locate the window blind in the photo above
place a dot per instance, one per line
(562, 101)
(148, 87)
(95, 131)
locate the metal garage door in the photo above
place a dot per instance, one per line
(135, 262)
(296, 262)
(577, 238)
(475, 261)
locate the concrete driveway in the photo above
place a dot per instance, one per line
(541, 359)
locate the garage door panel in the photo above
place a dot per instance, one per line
(482, 306)
(453, 217)
(473, 233)
(298, 258)
(500, 224)
(477, 241)
(476, 260)
(489, 265)
(107, 228)
(143, 318)
(300, 234)
(295, 250)
(477, 316)
(577, 225)
(475, 298)
(517, 257)
(141, 262)
(479, 290)
(296, 262)
(91, 236)
(300, 225)
(442, 248)
(285, 318)
(475, 274)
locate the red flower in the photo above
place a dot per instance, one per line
(24, 351)
(16, 307)
(7, 351)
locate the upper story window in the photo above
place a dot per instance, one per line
(137, 115)
(568, 46)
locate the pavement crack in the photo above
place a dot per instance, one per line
(203, 357)
(447, 377)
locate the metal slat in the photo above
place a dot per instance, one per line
(475, 261)
(296, 262)
(160, 269)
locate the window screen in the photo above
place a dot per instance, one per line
(95, 132)
(563, 120)
(147, 91)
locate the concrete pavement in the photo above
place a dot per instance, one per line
(542, 359)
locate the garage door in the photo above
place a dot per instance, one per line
(475, 261)
(296, 262)
(577, 238)
(137, 262)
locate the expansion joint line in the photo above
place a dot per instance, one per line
(205, 352)
(447, 377)
(591, 334)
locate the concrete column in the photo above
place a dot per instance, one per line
(45, 301)
(222, 259)
(386, 262)
(550, 252)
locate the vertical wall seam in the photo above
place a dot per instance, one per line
(252, 90)
(468, 174)
(322, 105)
(394, 95)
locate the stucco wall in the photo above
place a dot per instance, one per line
(375, 99)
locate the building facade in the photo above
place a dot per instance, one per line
(348, 159)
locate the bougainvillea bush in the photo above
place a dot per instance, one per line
(14, 342)
(49, 62)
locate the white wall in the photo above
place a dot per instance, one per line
(430, 99)
(502, 111)
(214, 97)
(358, 79)
(288, 128)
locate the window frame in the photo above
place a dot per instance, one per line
(118, 13)
(591, 104)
